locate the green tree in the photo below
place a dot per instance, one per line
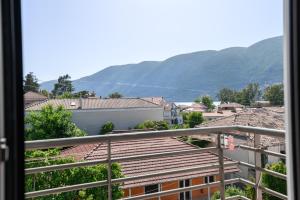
(197, 100)
(226, 95)
(208, 102)
(249, 94)
(115, 95)
(45, 93)
(31, 83)
(274, 94)
(61, 178)
(50, 123)
(274, 183)
(64, 84)
(107, 128)
(194, 118)
(149, 124)
(229, 191)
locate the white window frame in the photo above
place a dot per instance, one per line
(191, 194)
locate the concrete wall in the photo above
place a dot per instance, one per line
(91, 121)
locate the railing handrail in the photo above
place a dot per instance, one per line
(64, 142)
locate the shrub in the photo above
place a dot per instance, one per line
(229, 191)
(107, 128)
(50, 123)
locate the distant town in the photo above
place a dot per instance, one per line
(63, 113)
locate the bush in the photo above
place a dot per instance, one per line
(50, 123)
(61, 178)
(107, 128)
(229, 191)
(149, 124)
(194, 118)
(274, 183)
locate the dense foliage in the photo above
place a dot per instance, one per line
(64, 84)
(149, 124)
(107, 128)
(229, 191)
(30, 83)
(50, 123)
(193, 118)
(275, 94)
(115, 95)
(208, 102)
(247, 96)
(72, 176)
(274, 183)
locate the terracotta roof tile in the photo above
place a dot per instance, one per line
(158, 164)
(95, 103)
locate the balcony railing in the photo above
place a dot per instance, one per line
(218, 131)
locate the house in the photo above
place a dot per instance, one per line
(196, 107)
(134, 167)
(91, 113)
(230, 106)
(216, 115)
(171, 111)
(268, 117)
(33, 97)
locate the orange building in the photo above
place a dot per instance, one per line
(159, 164)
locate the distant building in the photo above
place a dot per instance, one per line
(260, 104)
(171, 111)
(90, 114)
(33, 97)
(230, 106)
(131, 168)
(216, 115)
(270, 117)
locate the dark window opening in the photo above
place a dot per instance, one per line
(151, 189)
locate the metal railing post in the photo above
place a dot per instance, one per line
(109, 185)
(221, 168)
(257, 162)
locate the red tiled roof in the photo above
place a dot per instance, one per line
(268, 117)
(152, 165)
(95, 103)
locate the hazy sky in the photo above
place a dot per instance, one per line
(81, 37)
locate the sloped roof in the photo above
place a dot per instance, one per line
(152, 165)
(95, 103)
(34, 96)
(267, 117)
(231, 105)
(159, 101)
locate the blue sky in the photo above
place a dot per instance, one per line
(81, 37)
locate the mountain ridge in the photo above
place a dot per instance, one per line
(183, 77)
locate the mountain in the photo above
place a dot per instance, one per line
(186, 76)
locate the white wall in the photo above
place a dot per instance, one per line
(91, 121)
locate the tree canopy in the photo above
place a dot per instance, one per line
(61, 178)
(30, 83)
(115, 95)
(150, 124)
(208, 102)
(229, 191)
(274, 183)
(50, 123)
(64, 84)
(246, 96)
(193, 119)
(274, 94)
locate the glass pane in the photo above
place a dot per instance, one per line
(187, 195)
(126, 67)
(181, 184)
